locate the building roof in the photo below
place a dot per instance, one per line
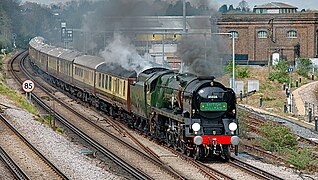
(158, 23)
(275, 5)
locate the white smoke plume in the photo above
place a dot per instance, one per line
(121, 51)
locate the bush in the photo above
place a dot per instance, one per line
(304, 65)
(241, 72)
(229, 68)
(274, 138)
(280, 72)
(300, 158)
(243, 126)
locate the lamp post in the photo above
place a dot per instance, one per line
(233, 62)
(184, 16)
(232, 34)
(163, 48)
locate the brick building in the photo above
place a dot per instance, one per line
(261, 35)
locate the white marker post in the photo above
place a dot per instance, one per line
(28, 86)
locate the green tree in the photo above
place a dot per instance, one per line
(304, 65)
(241, 72)
(280, 72)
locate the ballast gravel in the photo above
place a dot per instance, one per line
(63, 153)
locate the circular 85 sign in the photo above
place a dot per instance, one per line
(28, 86)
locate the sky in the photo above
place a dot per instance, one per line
(301, 4)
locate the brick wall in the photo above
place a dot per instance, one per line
(248, 26)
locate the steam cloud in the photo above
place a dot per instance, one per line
(121, 51)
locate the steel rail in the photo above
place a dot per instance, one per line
(211, 173)
(126, 166)
(259, 173)
(29, 144)
(15, 169)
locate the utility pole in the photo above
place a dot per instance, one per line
(163, 48)
(184, 17)
(270, 40)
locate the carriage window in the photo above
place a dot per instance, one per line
(117, 85)
(110, 83)
(106, 82)
(124, 89)
(103, 81)
(99, 78)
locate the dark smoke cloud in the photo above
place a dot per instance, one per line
(202, 55)
(115, 15)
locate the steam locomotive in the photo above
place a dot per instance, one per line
(194, 114)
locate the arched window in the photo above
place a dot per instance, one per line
(234, 33)
(292, 34)
(262, 34)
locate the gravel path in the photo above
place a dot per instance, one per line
(63, 153)
(306, 93)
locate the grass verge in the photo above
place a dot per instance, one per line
(18, 100)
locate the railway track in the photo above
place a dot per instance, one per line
(203, 168)
(14, 168)
(255, 120)
(209, 173)
(258, 119)
(206, 168)
(32, 162)
(137, 171)
(35, 156)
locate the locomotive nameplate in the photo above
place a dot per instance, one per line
(213, 106)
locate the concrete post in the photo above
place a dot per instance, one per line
(309, 115)
(316, 123)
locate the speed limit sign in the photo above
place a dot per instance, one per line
(28, 86)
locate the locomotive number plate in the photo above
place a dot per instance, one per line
(213, 106)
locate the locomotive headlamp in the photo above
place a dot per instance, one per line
(198, 140)
(232, 126)
(235, 140)
(196, 126)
